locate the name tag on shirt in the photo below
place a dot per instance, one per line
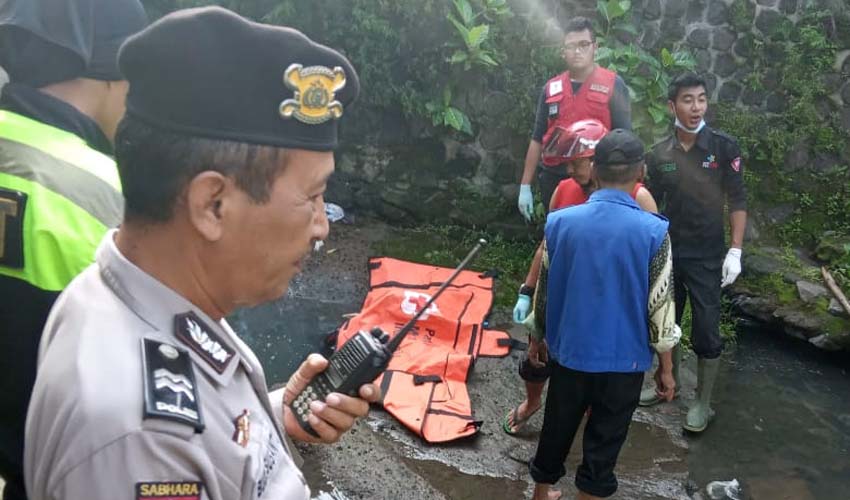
(598, 87)
(556, 87)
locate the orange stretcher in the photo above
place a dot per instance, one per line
(424, 386)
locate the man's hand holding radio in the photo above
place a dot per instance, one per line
(330, 419)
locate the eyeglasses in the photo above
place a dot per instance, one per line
(578, 47)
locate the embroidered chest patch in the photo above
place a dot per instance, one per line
(667, 167)
(736, 164)
(598, 87)
(710, 162)
(202, 339)
(179, 490)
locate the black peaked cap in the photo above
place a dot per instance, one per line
(210, 73)
(618, 147)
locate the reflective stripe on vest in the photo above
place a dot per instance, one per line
(58, 197)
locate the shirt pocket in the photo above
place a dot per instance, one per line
(271, 473)
(595, 96)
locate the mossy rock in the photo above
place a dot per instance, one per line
(832, 247)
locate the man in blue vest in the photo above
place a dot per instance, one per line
(59, 187)
(607, 276)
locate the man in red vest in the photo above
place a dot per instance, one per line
(584, 91)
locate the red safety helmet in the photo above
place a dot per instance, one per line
(576, 141)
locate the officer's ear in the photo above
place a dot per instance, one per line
(205, 198)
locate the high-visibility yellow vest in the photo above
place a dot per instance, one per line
(58, 197)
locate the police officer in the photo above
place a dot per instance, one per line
(584, 91)
(144, 390)
(695, 174)
(59, 188)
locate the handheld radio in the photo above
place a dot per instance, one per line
(362, 358)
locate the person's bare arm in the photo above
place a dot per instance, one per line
(645, 200)
(737, 225)
(532, 156)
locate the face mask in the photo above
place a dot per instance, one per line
(690, 130)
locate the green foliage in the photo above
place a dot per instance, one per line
(426, 57)
(475, 51)
(791, 59)
(648, 75)
(743, 13)
(728, 325)
(446, 245)
(443, 113)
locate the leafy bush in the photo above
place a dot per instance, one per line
(646, 75)
(792, 59)
(425, 57)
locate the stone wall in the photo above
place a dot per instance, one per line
(718, 33)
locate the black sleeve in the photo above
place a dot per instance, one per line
(733, 178)
(541, 120)
(620, 105)
(653, 178)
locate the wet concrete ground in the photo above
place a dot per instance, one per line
(783, 424)
(379, 459)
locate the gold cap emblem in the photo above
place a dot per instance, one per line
(314, 87)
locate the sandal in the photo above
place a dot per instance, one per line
(518, 423)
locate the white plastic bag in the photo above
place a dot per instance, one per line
(718, 490)
(334, 212)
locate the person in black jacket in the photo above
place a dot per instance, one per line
(696, 174)
(59, 188)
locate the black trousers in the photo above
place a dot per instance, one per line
(23, 311)
(698, 280)
(548, 179)
(613, 397)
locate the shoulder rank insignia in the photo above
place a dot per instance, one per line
(190, 329)
(314, 86)
(170, 390)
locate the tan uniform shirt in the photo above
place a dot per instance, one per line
(115, 415)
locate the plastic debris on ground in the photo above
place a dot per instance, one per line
(334, 212)
(719, 490)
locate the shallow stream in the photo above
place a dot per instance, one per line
(783, 422)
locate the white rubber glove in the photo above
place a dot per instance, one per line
(526, 201)
(531, 325)
(523, 304)
(731, 267)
